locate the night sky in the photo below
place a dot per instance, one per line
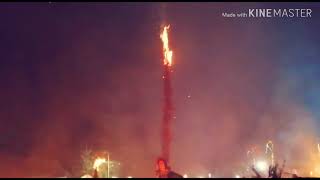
(76, 75)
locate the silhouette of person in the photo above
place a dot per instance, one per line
(164, 171)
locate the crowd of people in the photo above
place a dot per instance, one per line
(273, 172)
(164, 171)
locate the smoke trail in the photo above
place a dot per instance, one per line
(163, 13)
(167, 114)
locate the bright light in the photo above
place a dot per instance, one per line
(98, 162)
(261, 166)
(237, 176)
(129, 176)
(200, 176)
(86, 176)
(209, 175)
(185, 176)
(114, 177)
(166, 50)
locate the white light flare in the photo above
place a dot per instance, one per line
(98, 162)
(261, 166)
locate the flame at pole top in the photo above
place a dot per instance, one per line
(167, 53)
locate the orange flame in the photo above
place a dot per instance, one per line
(98, 163)
(167, 53)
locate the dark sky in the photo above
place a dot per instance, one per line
(89, 74)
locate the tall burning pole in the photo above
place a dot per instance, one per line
(168, 107)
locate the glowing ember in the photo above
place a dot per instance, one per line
(166, 50)
(97, 163)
